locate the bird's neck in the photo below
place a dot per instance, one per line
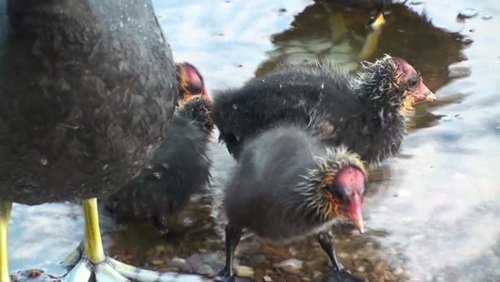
(314, 199)
(382, 100)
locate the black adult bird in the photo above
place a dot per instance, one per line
(179, 168)
(87, 90)
(287, 185)
(362, 112)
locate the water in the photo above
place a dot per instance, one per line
(432, 214)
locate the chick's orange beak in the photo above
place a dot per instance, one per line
(420, 94)
(354, 212)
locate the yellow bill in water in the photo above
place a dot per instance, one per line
(379, 21)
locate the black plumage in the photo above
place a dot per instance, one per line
(85, 102)
(362, 112)
(287, 185)
(179, 168)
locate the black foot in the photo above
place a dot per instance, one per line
(225, 276)
(226, 279)
(342, 276)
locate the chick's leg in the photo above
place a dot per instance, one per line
(233, 236)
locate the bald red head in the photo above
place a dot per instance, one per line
(416, 90)
(348, 191)
(190, 82)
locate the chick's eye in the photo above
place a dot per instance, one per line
(414, 80)
(194, 89)
(339, 195)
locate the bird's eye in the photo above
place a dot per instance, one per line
(195, 89)
(414, 80)
(339, 195)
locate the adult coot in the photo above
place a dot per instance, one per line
(87, 90)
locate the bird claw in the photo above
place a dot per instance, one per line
(81, 272)
(226, 279)
(225, 276)
(343, 276)
(109, 270)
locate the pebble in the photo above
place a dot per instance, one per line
(267, 278)
(206, 269)
(157, 262)
(398, 271)
(361, 269)
(208, 257)
(316, 274)
(292, 266)
(194, 260)
(160, 249)
(467, 13)
(244, 271)
(343, 255)
(179, 262)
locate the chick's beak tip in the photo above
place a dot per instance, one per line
(431, 97)
(356, 215)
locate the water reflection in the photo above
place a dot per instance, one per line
(432, 213)
(324, 32)
(226, 39)
(443, 222)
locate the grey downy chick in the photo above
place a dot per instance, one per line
(287, 186)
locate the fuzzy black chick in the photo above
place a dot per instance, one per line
(179, 168)
(287, 186)
(362, 111)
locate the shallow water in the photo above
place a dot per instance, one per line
(432, 214)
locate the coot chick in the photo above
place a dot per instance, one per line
(287, 186)
(179, 168)
(362, 112)
(86, 98)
